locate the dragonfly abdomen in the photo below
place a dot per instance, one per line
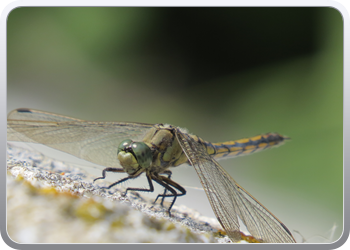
(244, 146)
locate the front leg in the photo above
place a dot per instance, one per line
(118, 170)
(121, 170)
(151, 188)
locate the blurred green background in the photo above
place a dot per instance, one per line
(223, 73)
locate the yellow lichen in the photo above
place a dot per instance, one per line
(91, 211)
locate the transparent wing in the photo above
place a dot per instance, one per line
(96, 142)
(229, 200)
(37, 115)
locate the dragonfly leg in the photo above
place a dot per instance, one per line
(133, 189)
(151, 188)
(119, 170)
(118, 182)
(169, 173)
(167, 183)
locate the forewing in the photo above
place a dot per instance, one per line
(229, 200)
(38, 115)
(96, 142)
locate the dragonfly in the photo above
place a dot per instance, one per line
(152, 149)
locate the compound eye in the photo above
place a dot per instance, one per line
(143, 154)
(124, 144)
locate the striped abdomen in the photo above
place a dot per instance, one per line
(229, 149)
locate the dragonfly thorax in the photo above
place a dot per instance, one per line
(165, 148)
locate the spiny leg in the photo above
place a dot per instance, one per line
(151, 188)
(167, 183)
(175, 185)
(169, 173)
(118, 182)
(118, 170)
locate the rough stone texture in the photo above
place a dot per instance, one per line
(51, 202)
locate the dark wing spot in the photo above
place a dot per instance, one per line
(24, 110)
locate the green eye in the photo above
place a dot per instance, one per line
(124, 144)
(143, 154)
(138, 150)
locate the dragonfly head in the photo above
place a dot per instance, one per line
(134, 156)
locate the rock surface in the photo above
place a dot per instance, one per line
(51, 202)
